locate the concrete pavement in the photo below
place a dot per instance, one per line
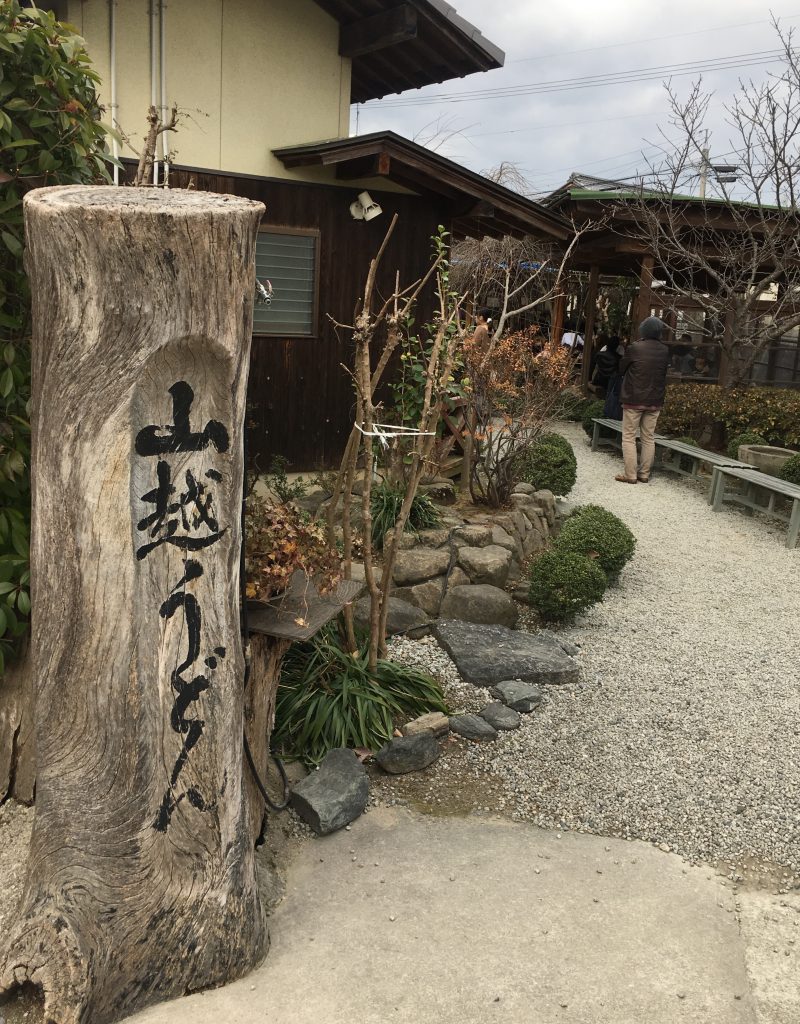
(413, 918)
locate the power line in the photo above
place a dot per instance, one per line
(595, 81)
(652, 39)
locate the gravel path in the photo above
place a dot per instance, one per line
(685, 730)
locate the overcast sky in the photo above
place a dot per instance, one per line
(600, 130)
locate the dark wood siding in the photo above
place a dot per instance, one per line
(300, 397)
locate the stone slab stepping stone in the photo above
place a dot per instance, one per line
(435, 722)
(487, 655)
(518, 696)
(472, 727)
(501, 717)
(408, 753)
(565, 645)
(333, 796)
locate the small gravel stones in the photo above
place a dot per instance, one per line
(518, 696)
(472, 727)
(500, 717)
(408, 753)
(434, 722)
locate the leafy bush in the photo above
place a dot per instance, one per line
(385, 504)
(564, 583)
(550, 465)
(50, 134)
(748, 437)
(327, 698)
(790, 470)
(571, 405)
(593, 410)
(773, 413)
(276, 480)
(594, 531)
(279, 541)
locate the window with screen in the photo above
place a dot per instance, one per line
(288, 260)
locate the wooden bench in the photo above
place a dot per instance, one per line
(755, 481)
(698, 456)
(601, 424)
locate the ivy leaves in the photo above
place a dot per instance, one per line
(50, 134)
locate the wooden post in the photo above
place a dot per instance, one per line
(557, 321)
(141, 881)
(591, 315)
(642, 303)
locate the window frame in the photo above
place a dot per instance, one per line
(285, 229)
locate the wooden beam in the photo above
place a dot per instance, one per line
(641, 305)
(378, 166)
(557, 320)
(378, 32)
(588, 334)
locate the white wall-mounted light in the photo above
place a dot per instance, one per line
(365, 207)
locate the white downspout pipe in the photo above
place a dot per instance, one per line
(154, 74)
(112, 32)
(164, 111)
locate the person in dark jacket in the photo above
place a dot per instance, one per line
(644, 384)
(606, 364)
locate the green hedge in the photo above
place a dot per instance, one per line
(790, 470)
(550, 464)
(562, 584)
(594, 531)
(773, 413)
(748, 437)
(594, 410)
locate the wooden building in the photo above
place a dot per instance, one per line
(267, 85)
(615, 248)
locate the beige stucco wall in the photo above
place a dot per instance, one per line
(249, 75)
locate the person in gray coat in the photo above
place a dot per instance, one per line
(644, 385)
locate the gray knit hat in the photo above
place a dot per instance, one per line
(652, 328)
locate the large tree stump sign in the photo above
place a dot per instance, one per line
(141, 880)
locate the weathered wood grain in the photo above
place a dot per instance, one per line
(141, 882)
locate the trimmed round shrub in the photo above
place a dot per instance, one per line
(564, 584)
(593, 410)
(748, 437)
(550, 464)
(595, 532)
(790, 470)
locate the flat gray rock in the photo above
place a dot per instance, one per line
(408, 753)
(333, 796)
(501, 717)
(472, 727)
(519, 696)
(487, 655)
(481, 603)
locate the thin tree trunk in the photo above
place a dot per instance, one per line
(141, 880)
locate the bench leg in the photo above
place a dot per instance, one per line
(719, 492)
(596, 437)
(771, 504)
(712, 490)
(794, 525)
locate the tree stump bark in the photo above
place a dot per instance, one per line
(266, 656)
(17, 753)
(141, 879)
